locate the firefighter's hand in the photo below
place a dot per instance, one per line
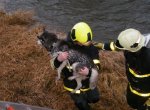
(98, 45)
(84, 71)
(62, 56)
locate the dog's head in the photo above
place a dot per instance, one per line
(47, 40)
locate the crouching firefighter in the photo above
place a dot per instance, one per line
(136, 49)
(80, 38)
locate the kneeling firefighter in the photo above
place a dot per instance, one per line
(80, 38)
(136, 49)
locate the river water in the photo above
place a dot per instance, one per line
(107, 18)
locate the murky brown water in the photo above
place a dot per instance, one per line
(106, 17)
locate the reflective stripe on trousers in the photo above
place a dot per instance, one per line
(138, 93)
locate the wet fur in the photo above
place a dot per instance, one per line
(76, 58)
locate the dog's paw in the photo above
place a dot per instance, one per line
(57, 78)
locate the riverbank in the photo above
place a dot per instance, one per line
(26, 75)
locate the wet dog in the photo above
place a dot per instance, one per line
(76, 58)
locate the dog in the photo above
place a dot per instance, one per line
(76, 58)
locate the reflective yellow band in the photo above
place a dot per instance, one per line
(137, 75)
(77, 91)
(98, 45)
(139, 94)
(96, 61)
(69, 67)
(112, 47)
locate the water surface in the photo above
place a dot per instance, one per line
(107, 18)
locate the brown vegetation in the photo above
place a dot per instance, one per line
(26, 75)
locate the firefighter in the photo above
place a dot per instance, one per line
(136, 49)
(80, 38)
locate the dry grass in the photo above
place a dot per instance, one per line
(26, 75)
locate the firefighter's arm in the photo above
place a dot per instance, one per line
(106, 46)
(99, 45)
(55, 63)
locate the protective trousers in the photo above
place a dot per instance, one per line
(137, 102)
(83, 99)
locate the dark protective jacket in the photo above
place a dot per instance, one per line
(91, 51)
(137, 67)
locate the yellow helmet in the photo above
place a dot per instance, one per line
(131, 40)
(81, 32)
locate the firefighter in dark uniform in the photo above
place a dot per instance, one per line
(137, 55)
(80, 38)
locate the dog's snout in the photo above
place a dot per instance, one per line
(39, 42)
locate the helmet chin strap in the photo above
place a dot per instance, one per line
(84, 44)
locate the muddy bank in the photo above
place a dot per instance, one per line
(26, 75)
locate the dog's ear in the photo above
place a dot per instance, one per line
(44, 29)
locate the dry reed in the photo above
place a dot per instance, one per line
(26, 75)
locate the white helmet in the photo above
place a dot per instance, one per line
(131, 40)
